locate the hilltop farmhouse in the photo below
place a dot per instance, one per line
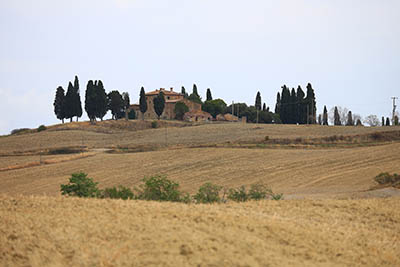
(171, 98)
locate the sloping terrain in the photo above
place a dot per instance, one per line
(55, 231)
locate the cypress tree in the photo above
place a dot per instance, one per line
(383, 121)
(301, 110)
(159, 103)
(349, 121)
(127, 103)
(325, 117)
(143, 102)
(195, 95)
(292, 108)
(258, 101)
(195, 90)
(312, 106)
(264, 107)
(59, 104)
(90, 101)
(278, 103)
(320, 119)
(69, 102)
(285, 100)
(396, 120)
(209, 96)
(77, 100)
(387, 121)
(101, 100)
(183, 92)
(336, 115)
(116, 104)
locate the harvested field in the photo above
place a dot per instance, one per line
(317, 173)
(56, 231)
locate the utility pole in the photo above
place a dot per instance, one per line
(394, 108)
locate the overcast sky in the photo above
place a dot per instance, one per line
(348, 50)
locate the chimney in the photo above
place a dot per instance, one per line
(172, 88)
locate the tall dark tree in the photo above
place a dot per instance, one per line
(387, 121)
(320, 119)
(159, 103)
(77, 100)
(209, 96)
(142, 102)
(90, 101)
(325, 117)
(278, 103)
(180, 109)
(258, 101)
(383, 121)
(101, 100)
(285, 102)
(59, 104)
(292, 108)
(396, 120)
(184, 93)
(127, 103)
(349, 121)
(312, 105)
(336, 115)
(194, 96)
(116, 104)
(301, 110)
(69, 102)
(264, 107)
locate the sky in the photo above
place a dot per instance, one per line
(349, 50)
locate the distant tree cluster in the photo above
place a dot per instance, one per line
(69, 105)
(294, 107)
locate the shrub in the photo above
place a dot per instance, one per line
(41, 128)
(238, 194)
(159, 188)
(120, 192)
(132, 114)
(208, 193)
(20, 131)
(81, 186)
(154, 124)
(259, 191)
(386, 178)
(180, 110)
(277, 196)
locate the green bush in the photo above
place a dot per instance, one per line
(259, 191)
(41, 128)
(238, 194)
(154, 124)
(277, 196)
(386, 178)
(159, 188)
(132, 114)
(81, 186)
(120, 192)
(208, 193)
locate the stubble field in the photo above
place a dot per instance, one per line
(343, 222)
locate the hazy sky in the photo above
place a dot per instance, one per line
(349, 51)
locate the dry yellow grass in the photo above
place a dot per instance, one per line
(56, 231)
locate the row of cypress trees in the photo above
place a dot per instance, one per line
(296, 107)
(67, 106)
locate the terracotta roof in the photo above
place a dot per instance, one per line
(166, 92)
(172, 100)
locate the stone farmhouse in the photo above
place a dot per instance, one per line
(171, 98)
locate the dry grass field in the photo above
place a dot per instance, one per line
(330, 215)
(55, 231)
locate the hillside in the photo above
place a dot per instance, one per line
(55, 231)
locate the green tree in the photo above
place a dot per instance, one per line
(180, 110)
(77, 99)
(349, 121)
(127, 103)
(194, 96)
(325, 117)
(396, 120)
(90, 101)
(301, 109)
(258, 101)
(101, 100)
(292, 108)
(209, 96)
(278, 103)
(264, 107)
(131, 114)
(69, 102)
(336, 115)
(59, 104)
(159, 103)
(214, 107)
(387, 122)
(142, 102)
(311, 103)
(285, 102)
(383, 121)
(116, 105)
(184, 93)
